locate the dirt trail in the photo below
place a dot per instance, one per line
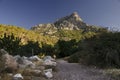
(74, 71)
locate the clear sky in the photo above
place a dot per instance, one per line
(27, 13)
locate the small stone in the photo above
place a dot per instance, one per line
(18, 77)
(48, 74)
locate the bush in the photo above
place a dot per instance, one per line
(101, 50)
(10, 43)
(74, 58)
(66, 48)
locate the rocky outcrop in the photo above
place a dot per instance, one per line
(71, 22)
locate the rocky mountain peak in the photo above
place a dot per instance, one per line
(76, 16)
(70, 22)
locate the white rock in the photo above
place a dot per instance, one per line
(18, 76)
(48, 74)
(49, 57)
(49, 62)
(34, 58)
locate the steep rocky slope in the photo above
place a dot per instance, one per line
(71, 22)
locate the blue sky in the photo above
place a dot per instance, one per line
(27, 13)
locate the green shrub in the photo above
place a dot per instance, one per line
(10, 43)
(74, 58)
(101, 50)
(66, 48)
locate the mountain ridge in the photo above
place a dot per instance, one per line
(70, 22)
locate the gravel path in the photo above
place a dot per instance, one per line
(74, 71)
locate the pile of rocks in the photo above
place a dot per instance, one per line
(27, 67)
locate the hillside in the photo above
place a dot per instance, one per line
(25, 35)
(67, 28)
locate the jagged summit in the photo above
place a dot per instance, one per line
(73, 21)
(70, 22)
(76, 16)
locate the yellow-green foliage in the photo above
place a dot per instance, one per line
(25, 35)
(70, 34)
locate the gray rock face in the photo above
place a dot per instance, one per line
(8, 62)
(71, 22)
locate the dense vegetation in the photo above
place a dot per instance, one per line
(102, 50)
(25, 35)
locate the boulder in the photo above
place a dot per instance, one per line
(48, 62)
(26, 63)
(18, 76)
(48, 58)
(7, 62)
(35, 58)
(48, 74)
(19, 60)
(23, 62)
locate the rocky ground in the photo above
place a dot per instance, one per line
(74, 71)
(25, 68)
(34, 68)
